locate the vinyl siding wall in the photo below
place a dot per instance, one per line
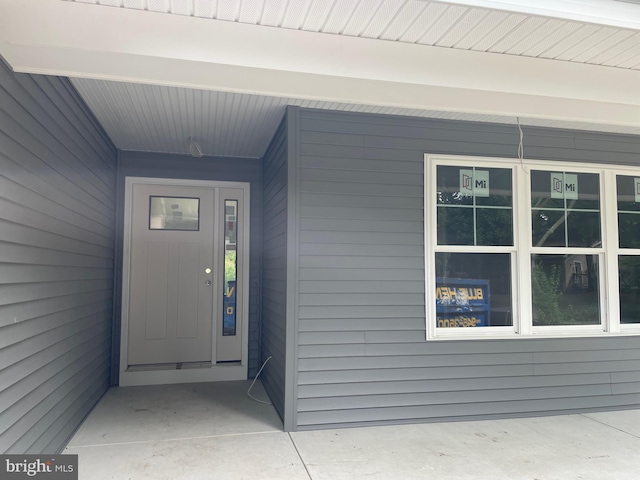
(363, 357)
(57, 207)
(274, 267)
(223, 169)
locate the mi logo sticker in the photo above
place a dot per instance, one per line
(564, 185)
(474, 183)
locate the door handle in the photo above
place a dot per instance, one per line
(207, 283)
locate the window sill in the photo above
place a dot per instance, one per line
(544, 333)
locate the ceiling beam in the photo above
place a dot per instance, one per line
(82, 40)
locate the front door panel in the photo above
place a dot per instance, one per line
(171, 294)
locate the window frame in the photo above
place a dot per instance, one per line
(523, 249)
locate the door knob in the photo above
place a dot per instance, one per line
(208, 283)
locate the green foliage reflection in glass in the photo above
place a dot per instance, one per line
(229, 267)
(546, 296)
(561, 298)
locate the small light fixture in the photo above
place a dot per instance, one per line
(194, 148)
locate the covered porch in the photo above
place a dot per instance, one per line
(93, 94)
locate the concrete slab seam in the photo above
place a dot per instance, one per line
(202, 437)
(300, 456)
(610, 426)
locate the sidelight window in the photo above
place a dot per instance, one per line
(230, 267)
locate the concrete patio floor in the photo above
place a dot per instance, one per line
(214, 431)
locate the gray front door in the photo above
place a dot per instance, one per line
(171, 289)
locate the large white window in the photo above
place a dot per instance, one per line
(530, 248)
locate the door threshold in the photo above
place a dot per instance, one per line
(168, 366)
(192, 372)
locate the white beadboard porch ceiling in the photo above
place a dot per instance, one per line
(145, 117)
(161, 119)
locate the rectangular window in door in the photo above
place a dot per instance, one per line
(174, 213)
(230, 267)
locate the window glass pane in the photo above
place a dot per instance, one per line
(548, 228)
(500, 187)
(230, 266)
(455, 226)
(473, 290)
(565, 189)
(628, 193)
(474, 206)
(629, 272)
(173, 213)
(565, 289)
(583, 229)
(493, 227)
(448, 179)
(629, 230)
(565, 209)
(541, 191)
(588, 192)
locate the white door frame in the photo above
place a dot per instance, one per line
(233, 371)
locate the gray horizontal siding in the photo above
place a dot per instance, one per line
(274, 267)
(467, 385)
(57, 229)
(362, 353)
(161, 165)
(401, 414)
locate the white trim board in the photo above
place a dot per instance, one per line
(121, 44)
